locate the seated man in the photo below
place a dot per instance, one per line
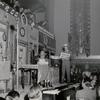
(13, 95)
(87, 93)
(34, 93)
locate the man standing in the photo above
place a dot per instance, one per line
(65, 63)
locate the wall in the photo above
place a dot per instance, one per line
(50, 15)
(58, 16)
(61, 22)
(95, 27)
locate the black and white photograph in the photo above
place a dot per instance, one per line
(49, 50)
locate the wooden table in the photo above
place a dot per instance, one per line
(52, 93)
(27, 68)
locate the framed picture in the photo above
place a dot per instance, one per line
(22, 31)
(24, 19)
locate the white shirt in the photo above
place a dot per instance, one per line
(42, 61)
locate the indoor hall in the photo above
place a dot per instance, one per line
(49, 50)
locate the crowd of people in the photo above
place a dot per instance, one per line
(34, 93)
(88, 91)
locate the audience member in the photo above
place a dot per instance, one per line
(34, 93)
(12, 95)
(94, 80)
(88, 92)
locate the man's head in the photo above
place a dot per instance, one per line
(87, 82)
(35, 93)
(65, 48)
(13, 95)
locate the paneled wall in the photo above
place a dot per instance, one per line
(80, 27)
